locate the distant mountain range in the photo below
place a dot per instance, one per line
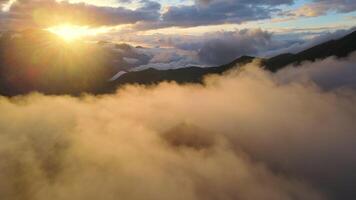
(39, 61)
(180, 75)
(338, 48)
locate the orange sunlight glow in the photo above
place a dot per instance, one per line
(6, 6)
(72, 32)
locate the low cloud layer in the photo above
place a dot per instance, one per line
(328, 74)
(221, 47)
(248, 134)
(225, 47)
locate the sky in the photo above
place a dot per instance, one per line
(153, 15)
(246, 134)
(180, 31)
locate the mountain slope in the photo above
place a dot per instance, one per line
(181, 75)
(339, 48)
(39, 61)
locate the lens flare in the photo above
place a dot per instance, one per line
(72, 32)
(6, 6)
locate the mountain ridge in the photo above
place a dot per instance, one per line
(339, 48)
(19, 77)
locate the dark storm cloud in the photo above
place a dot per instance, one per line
(49, 12)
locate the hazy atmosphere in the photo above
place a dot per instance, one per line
(178, 100)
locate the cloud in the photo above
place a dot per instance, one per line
(216, 48)
(221, 47)
(214, 12)
(327, 74)
(169, 58)
(128, 57)
(208, 49)
(253, 2)
(148, 15)
(342, 6)
(225, 47)
(160, 51)
(301, 40)
(44, 13)
(245, 135)
(323, 7)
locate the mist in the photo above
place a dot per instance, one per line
(248, 134)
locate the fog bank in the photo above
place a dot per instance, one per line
(248, 134)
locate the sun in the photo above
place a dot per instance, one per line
(72, 32)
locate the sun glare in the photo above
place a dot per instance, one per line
(6, 6)
(73, 32)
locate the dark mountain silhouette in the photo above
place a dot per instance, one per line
(339, 48)
(36, 60)
(181, 75)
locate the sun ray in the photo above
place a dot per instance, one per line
(72, 32)
(7, 6)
